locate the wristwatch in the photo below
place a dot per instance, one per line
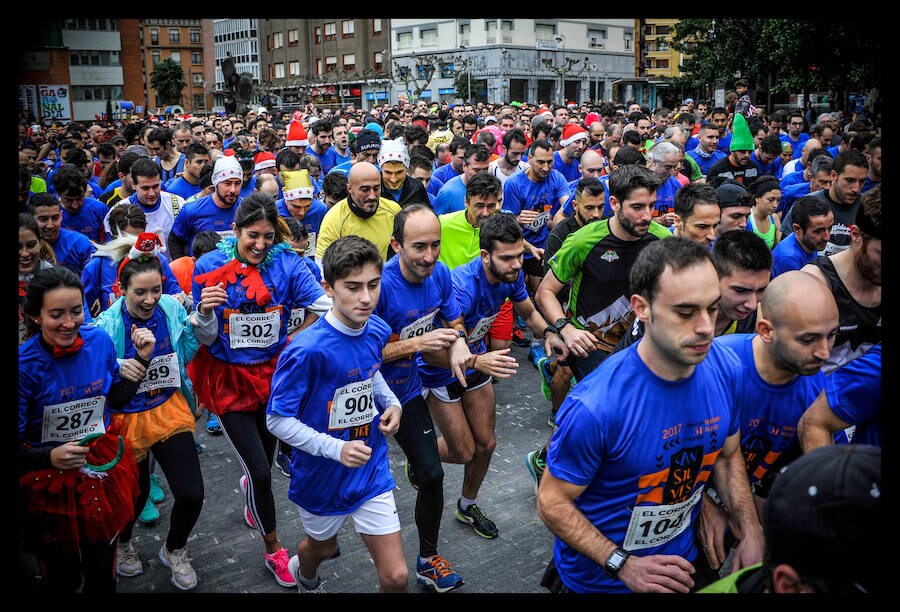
(550, 329)
(560, 323)
(615, 562)
(461, 333)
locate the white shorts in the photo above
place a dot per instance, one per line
(377, 516)
(453, 392)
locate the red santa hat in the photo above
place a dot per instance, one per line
(263, 160)
(545, 111)
(571, 133)
(590, 118)
(296, 134)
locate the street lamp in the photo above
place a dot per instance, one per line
(468, 71)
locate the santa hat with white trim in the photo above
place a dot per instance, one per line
(297, 185)
(226, 167)
(296, 134)
(263, 160)
(571, 133)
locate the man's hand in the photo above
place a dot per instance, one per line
(459, 356)
(579, 341)
(712, 525)
(389, 422)
(657, 574)
(526, 217)
(498, 364)
(554, 344)
(437, 339)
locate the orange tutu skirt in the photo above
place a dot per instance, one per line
(68, 508)
(226, 387)
(144, 429)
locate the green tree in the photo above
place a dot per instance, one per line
(780, 56)
(167, 79)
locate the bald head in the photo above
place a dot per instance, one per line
(591, 164)
(796, 295)
(364, 185)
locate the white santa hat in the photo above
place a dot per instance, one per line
(226, 167)
(393, 150)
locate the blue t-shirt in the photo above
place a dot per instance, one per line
(725, 143)
(789, 255)
(451, 197)
(571, 170)
(768, 413)
(257, 331)
(665, 196)
(412, 309)
(326, 393)
(705, 163)
(434, 186)
(65, 388)
(181, 187)
(644, 448)
(445, 173)
(479, 303)
(72, 250)
(792, 178)
(569, 206)
(854, 395)
(203, 214)
(168, 175)
(521, 193)
(88, 221)
(332, 158)
(789, 195)
(773, 168)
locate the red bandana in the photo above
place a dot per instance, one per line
(58, 352)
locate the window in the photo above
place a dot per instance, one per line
(199, 103)
(318, 35)
(628, 39)
(330, 31)
(448, 71)
(376, 26)
(465, 30)
(279, 70)
(293, 37)
(347, 28)
(154, 36)
(195, 57)
(544, 32)
(662, 45)
(175, 56)
(318, 66)
(277, 40)
(155, 57)
(404, 40)
(197, 78)
(506, 26)
(174, 35)
(349, 62)
(429, 37)
(294, 68)
(195, 36)
(597, 38)
(378, 61)
(662, 29)
(662, 63)
(331, 64)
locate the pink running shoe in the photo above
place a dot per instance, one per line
(278, 565)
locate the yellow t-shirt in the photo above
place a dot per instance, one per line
(340, 221)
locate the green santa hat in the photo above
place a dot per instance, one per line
(741, 138)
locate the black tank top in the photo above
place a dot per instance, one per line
(860, 327)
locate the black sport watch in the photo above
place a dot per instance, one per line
(560, 323)
(615, 562)
(461, 334)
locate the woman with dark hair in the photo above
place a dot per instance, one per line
(264, 281)
(160, 417)
(78, 479)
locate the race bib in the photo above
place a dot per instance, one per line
(311, 249)
(352, 405)
(418, 327)
(71, 421)
(163, 373)
(540, 221)
(296, 320)
(254, 330)
(481, 328)
(655, 525)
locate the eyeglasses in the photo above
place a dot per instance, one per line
(796, 123)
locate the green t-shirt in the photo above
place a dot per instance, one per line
(38, 185)
(459, 240)
(738, 582)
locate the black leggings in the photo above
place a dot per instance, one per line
(95, 564)
(177, 456)
(418, 440)
(254, 445)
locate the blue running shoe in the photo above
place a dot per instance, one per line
(436, 573)
(212, 424)
(149, 514)
(156, 492)
(536, 353)
(543, 366)
(283, 461)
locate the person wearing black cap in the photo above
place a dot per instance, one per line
(734, 206)
(365, 147)
(823, 525)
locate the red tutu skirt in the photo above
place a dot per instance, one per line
(68, 508)
(226, 387)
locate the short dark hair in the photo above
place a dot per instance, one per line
(484, 185)
(770, 144)
(42, 199)
(499, 227)
(589, 186)
(688, 196)
(144, 166)
(514, 135)
(674, 253)
(287, 158)
(739, 248)
(123, 214)
(346, 254)
(68, 178)
(194, 149)
(258, 206)
(850, 157)
(322, 125)
(626, 179)
(204, 242)
(803, 209)
(44, 280)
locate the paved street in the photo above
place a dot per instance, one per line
(228, 556)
